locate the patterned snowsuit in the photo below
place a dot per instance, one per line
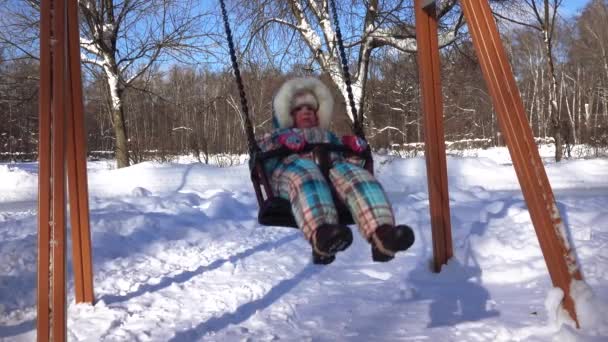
(298, 179)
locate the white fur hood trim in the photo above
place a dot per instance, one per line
(285, 94)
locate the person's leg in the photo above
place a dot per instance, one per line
(302, 183)
(364, 197)
(371, 210)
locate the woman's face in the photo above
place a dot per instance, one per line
(305, 116)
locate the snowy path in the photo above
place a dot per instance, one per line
(178, 256)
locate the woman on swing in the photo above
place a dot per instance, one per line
(303, 110)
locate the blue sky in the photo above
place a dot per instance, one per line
(571, 7)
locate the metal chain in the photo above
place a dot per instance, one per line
(253, 146)
(357, 121)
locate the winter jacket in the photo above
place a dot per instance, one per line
(314, 135)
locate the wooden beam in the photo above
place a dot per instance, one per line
(44, 175)
(61, 130)
(550, 229)
(77, 167)
(432, 107)
(58, 230)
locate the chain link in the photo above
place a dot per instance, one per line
(253, 146)
(357, 120)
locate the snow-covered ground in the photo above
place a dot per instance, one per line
(178, 256)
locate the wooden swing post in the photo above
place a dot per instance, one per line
(432, 107)
(61, 143)
(550, 229)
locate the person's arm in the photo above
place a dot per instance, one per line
(270, 141)
(293, 139)
(267, 142)
(354, 143)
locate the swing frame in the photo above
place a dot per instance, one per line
(57, 99)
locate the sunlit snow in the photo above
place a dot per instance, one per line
(179, 256)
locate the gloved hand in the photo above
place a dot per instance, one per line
(355, 143)
(293, 141)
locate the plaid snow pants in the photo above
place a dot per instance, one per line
(301, 182)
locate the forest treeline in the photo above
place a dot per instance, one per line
(174, 108)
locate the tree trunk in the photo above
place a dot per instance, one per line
(118, 117)
(542, 106)
(556, 123)
(122, 146)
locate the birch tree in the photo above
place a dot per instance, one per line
(589, 52)
(122, 39)
(367, 25)
(125, 38)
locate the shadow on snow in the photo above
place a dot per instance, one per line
(245, 311)
(187, 275)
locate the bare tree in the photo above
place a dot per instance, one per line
(588, 54)
(367, 25)
(18, 95)
(593, 36)
(541, 15)
(19, 28)
(125, 38)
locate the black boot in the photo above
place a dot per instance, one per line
(388, 240)
(328, 240)
(318, 259)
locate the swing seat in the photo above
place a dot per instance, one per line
(276, 211)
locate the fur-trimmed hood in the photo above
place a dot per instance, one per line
(283, 101)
